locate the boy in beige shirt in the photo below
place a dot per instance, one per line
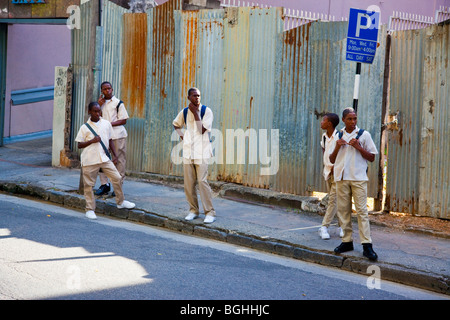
(353, 149)
(95, 156)
(197, 150)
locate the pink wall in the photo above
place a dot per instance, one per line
(33, 53)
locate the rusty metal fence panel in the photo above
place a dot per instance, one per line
(162, 88)
(112, 44)
(418, 172)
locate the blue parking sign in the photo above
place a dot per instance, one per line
(362, 35)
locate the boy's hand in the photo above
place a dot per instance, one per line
(96, 139)
(341, 142)
(101, 100)
(355, 144)
(194, 111)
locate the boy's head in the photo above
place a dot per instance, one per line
(349, 118)
(329, 120)
(107, 90)
(194, 96)
(94, 111)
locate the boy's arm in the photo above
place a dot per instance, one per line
(122, 116)
(113, 151)
(82, 145)
(177, 124)
(333, 155)
(120, 122)
(178, 130)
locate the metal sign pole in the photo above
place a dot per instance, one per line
(356, 87)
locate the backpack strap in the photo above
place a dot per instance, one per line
(185, 111)
(202, 111)
(360, 132)
(101, 142)
(117, 108)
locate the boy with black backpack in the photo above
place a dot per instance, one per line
(197, 150)
(353, 149)
(115, 112)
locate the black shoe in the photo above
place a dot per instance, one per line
(104, 189)
(344, 247)
(368, 252)
(113, 194)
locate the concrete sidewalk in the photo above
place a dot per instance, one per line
(259, 219)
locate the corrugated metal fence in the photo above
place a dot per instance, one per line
(267, 89)
(418, 167)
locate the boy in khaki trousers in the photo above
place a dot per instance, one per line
(197, 150)
(353, 149)
(329, 137)
(95, 138)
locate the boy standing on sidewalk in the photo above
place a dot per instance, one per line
(95, 138)
(328, 141)
(115, 112)
(197, 150)
(353, 149)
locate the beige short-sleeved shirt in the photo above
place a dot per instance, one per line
(349, 164)
(109, 112)
(94, 153)
(195, 144)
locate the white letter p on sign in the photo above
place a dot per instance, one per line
(358, 23)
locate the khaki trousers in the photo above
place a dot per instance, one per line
(197, 172)
(332, 204)
(121, 153)
(358, 189)
(90, 176)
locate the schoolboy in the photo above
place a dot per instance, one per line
(115, 112)
(329, 123)
(95, 156)
(197, 150)
(350, 158)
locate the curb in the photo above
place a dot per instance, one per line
(395, 273)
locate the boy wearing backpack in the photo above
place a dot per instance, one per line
(353, 149)
(197, 150)
(329, 137)
(115, 112)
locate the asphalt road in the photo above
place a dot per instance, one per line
(50, 252)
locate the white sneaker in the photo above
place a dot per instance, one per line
(191, 216)
(323, 233)
(126, 204)
(209, 219)
(91, 215)
(341, 232)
